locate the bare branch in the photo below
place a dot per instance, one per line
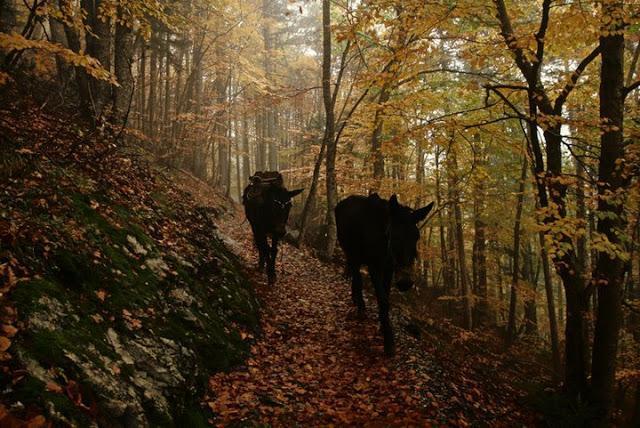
(506, 30)
(507, 102)
(557, 107)
(542, 32)
(343, 66)
(630, 88)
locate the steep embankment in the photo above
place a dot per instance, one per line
(118, 298)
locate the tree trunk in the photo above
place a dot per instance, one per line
(99, 47)
(551, 307)
(237, 147)
(219, 124)
(153, 84)
(329, 133)
(635, 418)
(142, 87)
(261, 151)
(82, 79)
(167, 96)
(530, 303)
(444, 254)
(58, 36)
(609, 272)
(7, 19)
(308, 203)
(123, 94)
(482, 308)
(513, 301)
(419, 174)
(465, 289)
(376, 144)
(246, 158)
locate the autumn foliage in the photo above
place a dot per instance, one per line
(518, 118)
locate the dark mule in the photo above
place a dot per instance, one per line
(381, 235)
(266, 204)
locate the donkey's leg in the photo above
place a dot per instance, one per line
(271, 261)
(356, 289)
(263, 250)
(381, 283)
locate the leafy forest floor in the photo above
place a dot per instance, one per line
(315, 364)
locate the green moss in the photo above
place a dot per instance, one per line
(89, 216)
(75, 270)
(26, 296)
(222, 298)
(191, 416)
(557, 410)
(67, 408)
(32, 390)
(48, 347)
(168, 209)
(29, 390)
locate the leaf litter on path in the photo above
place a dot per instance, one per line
(316, 365)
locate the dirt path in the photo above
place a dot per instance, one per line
(315, 365)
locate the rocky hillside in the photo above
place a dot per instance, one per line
(119, 298)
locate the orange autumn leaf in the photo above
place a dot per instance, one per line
(5, 343)
(54, 387)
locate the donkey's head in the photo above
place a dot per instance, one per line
(403, 239)
(279, 205)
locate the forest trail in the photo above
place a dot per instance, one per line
(314, 364)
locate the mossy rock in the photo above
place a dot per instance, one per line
(140, 330)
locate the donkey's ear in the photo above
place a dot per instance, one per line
(420, 214)
(296, 192)
(393, 203)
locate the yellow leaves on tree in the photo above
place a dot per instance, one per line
(15, 43)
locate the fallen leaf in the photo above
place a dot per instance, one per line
(102, 295)
(9, 330)
(5, 343)
(54, 387)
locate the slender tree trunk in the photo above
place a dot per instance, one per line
(609, 272)
(7, 19)
(308, 203)
(376, 144)
(444, 254)
(513, 301)
(99, 47)
(227, 178)
(419, 173)
(153, 84)
(635, 418)
(530, 303)
(219, 126)
(246, 158)
(238, 176)
(142, 87)
(551, 307)
(329, 134)
(82, 79)
(58, 36)
(123, 94)
(482, 308)
(261, 151)
(465, 287)
(178, 89)
(165, 125)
